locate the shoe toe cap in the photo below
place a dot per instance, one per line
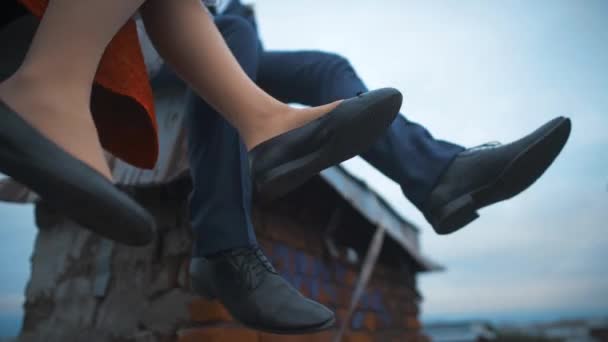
(294, 312)
(310, 314)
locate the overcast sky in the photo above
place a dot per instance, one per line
(476, 71)
(471, 71)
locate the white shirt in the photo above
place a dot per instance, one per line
(220, 5)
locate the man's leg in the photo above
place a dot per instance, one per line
(407, 153)
(221, 197)
(227, 264)
(447, 183)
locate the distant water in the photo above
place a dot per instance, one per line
(521, 317)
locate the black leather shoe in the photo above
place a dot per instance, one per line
(491, 173)
(284, 162)
(256, 295)
(69, 185)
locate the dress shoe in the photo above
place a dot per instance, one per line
(286, 161)
(490, 173)
(245, 282)
(69, 185)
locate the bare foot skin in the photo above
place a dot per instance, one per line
(290, 118)
(255, 114)
(69, 125)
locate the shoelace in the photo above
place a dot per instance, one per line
(264, 260)
(254, 265)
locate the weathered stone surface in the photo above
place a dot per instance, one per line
(147, 336)
(165, 313)
(160, 281)
(145, 295)
(74, 302)
(177, 241)
(67, 333)
(52, 249)
(120, 311)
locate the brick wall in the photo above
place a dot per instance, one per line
(85, 289)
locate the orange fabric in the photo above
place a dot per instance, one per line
(123, 107)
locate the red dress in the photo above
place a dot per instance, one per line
(122, 100)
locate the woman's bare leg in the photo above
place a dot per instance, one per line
(52, 88)
(185, 35)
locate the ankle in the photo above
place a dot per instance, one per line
(223, 252)
(27, 86)
(267, 126)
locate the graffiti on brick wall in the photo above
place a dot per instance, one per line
(332, 283)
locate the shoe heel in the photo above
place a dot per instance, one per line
(455, 215)
(202, 288)
(199, 278)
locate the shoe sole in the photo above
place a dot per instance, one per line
(517, 176)
(68, 185)
(282, 179)
(206, 292)
(325, 326)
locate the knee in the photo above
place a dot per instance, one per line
(338, 61)
(236, 28)
(332, 63)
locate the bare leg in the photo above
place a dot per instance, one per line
(52, 88)
(185, 35)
